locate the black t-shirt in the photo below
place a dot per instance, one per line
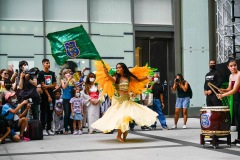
(47, 79)
(214, 77)
(28, 90)
(3, 124)
(157, 89)
(181, 93)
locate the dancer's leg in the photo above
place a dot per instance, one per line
(119, 138)
(125, 135)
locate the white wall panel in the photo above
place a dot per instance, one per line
(195, 40)
(67, 11)
(20, 45)
(111, 29)
(21, 27)
(110, 11)
(153, 12)
(21, 9)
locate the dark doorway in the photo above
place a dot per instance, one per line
(158, 53)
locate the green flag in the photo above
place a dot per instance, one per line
(70, 44)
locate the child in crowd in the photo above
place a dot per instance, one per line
(77, 111)
(58, 116)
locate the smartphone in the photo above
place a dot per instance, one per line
(16, 70)
(87, 68)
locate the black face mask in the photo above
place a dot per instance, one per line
(212, 66)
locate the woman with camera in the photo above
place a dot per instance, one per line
(184, 94)
(27, 87)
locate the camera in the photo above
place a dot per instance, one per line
(31, 72)
(178, 80)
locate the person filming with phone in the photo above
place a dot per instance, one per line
(184, 94)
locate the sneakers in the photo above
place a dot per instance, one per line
(184, 127)
(165, 127)
(79, 132)
(238, 144)
(45, 133)
(174, 126)
(75, 133)
(50, 133)
(24, 138)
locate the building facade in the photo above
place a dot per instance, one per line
(175, 36)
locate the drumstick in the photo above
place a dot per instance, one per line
(209, 83)
(212, 88)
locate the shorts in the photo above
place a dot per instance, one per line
(12, 134)
(183, 102)
(77, 116)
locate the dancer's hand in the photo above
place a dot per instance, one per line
(219, 96)
(105, 70)
(221, 90)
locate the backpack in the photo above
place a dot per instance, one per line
(190, 91)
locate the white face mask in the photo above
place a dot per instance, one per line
(67, 75)
(91, 79)
(25, 68)
(78, 94)
(155, 80)
(14, 100)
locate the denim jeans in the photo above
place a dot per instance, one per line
(67, 112)
(157, 107)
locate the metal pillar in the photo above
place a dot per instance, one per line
(228, 45)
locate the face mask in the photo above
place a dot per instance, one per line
(155, 80)
(67, 75)
(78, 94)
(213, 67)
(25, 68)
(14, 100)
(91, 79)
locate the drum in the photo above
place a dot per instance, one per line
(215, 120)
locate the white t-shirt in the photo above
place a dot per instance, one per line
(77, 104)
(59, 105)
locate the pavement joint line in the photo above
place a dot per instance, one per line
(179, 143)
(86, 150)
(191, 144)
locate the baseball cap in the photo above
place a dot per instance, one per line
(9, 95)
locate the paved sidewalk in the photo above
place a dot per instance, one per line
(140, 145)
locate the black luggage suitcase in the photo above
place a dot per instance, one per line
(35, 130)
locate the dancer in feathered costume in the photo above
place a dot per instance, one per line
(123, 110)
